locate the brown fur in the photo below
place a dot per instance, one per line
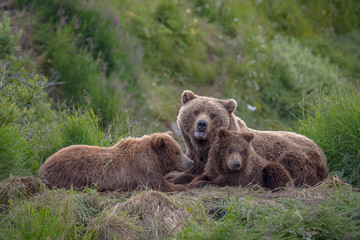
(300, 156)
(216, 113)
(130, 163)
(233, 162)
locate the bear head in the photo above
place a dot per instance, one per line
(169, 153)
(230, 151)
(199, 117)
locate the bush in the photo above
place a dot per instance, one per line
(334, 124)
(8, 41)
(297, 78)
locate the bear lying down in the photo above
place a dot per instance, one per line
(130, 163)
(233, 162)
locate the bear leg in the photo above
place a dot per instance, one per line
(198, 182)
(183, 179)
(167, 186)
(275, 176)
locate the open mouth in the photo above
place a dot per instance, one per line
(200, 135)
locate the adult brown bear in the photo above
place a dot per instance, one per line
(199, 118)
(130, 163)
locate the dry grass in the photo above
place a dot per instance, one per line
(212, 211)
(21, 187)
(156, 212)
(113, 226)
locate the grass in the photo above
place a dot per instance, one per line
(117, 52)
(118, 69)
(333, 123)
(327, 211)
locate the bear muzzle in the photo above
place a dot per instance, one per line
(187, 163)
(234, 164)
(200, 130)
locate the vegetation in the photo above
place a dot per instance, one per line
(328, 211)
(93, 72)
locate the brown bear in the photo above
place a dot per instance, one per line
(130, 163)
(200, 116)
(233, 162)
(300, 156)
(198, 119)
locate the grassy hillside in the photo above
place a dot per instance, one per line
(136, 57)
(93, 72)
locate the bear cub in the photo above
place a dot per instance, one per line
(130, 163)
(233, 162)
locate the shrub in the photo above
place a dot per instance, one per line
(8, 41)
(297, 78)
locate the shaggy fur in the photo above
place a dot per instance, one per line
(195, 113)
(233, 162)
(130, 163)
(300, 156)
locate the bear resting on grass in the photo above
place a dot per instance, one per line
(233, 162)
(132, 162)
(199, 118)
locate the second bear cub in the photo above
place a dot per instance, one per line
(233, 162)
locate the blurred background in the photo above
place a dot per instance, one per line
(91, 72)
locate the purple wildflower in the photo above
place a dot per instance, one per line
(116, 21)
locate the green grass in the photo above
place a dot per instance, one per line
(12, 156)
(334, 124)
(328, 211)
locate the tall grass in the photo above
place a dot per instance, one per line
(334, 124)
(12, 156)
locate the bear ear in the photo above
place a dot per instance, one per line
(248, 136)
(222, 132)
(230, 105)
(187, 96)
(169, 133)
(158, 142)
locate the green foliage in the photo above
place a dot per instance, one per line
(334, 124)
(12, 155)
(51, 216)
(24, 101)
(297, 78)
(8, 41)
(86, 54)
(78, 126)
(284, 218)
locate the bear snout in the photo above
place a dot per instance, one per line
(202, 125)
(201, 129)
(190, 163)
(187, 163)
(234, 164)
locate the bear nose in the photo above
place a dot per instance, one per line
(236, 165)
(190, 163)
(202, 125)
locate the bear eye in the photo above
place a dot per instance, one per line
(242, 153)
(230, 151)
(212, 116)
(197, 113)
(177, 153)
